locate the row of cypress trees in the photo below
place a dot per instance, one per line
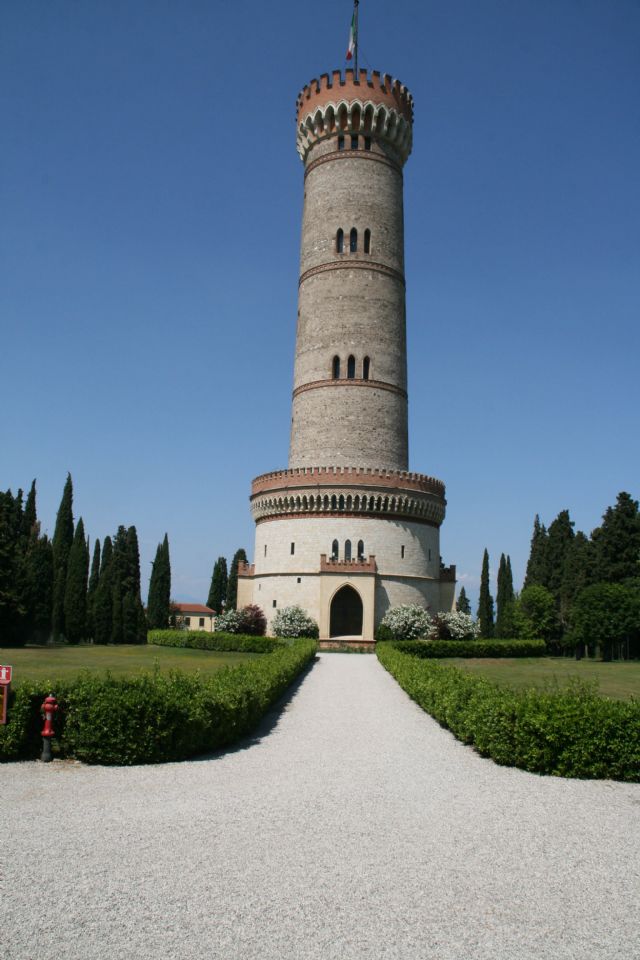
(223, 592)
(493, 624)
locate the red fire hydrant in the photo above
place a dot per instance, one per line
(49, 709)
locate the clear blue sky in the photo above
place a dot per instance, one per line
(150, 203)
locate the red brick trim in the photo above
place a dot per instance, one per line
(353, 155)
(349, 264)
(347, 476)
(353, 382)
(348, 566)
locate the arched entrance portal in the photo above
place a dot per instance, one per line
(346, 613)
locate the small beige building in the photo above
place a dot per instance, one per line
(348, 530)
(195, 616)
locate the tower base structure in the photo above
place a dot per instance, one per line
(346, 544)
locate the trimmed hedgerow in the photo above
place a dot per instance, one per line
(152, 718)
(572, 733)
(223, 642)
(438, 649)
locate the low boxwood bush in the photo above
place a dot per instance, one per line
(567, 733)
(223, 642)
(152, 718)
(438, 649)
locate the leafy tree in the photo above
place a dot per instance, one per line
(75, 597)
(239, 557)
(12, 608)
(159, 604)
(505, 599)
(617, 541)
(462, 604)
(535, 615)
(39, 587)
(128, 622)
(253, 621)
(219, 586)
(62, 540)
(537, 564)
(94, 579)
(606, 615)
(579, 572)
(103, 603)
(485, 605)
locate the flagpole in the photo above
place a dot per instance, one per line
(355, 57)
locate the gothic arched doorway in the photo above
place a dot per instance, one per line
(346, 613)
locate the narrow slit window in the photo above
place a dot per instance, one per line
(366, 365)
(347, 550)
(360, 549)
(367, 143)
(275, 603)
(402, 552)
(354, 141)
(340, 142)
(293, 549)
(335, 368)
(353, 240)
(351, 367)
(265, 549)
(340, 241)
(299, 579)
(334, 550)
(367, 241)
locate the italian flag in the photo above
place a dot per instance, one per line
(352, 37)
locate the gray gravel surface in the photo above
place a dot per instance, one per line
(353, 826)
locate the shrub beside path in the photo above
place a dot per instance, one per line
(354, 827)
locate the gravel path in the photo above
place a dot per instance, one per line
(353, 828)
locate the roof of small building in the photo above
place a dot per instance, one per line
(194, 608)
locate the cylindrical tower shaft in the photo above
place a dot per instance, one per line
(350, 379)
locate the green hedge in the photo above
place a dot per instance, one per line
(223, 642)
(567, 734)
(438, 649)
(152, 718)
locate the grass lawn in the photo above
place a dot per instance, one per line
(619, 680)
(52, 663)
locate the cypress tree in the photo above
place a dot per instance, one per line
(159, 605)
(579, 572)
(134, 617)
(239, 557)
(462, 604)
(219, 586)
(559, 541)
(12, 609)
(536, 573)
(30, 518)
(120, 569)
(39, 588)
(62, 540)
(94, 579)
(617, 541)
(485, 605)
(75, 598)
(102, 607)
(505, 626)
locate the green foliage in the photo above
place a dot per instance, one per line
(438, 649)
(239, 557)
(462, 603)
(485, 605)
(535, 615)
(62, 540)
(617, 541)
(153, 718)
(579, 572)
(568, 734)
(223, 642)
(536, 574)
(159, 605)
(75, 596)
(294, 622)
(218, 589)
(505, 599)
(605, 615)
(103, 607)
(94, 579)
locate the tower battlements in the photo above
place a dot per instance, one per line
(376, 88)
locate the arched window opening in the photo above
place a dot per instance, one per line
(334, 550)
(360, 549)
(347, 550)
(366, 365)
(367, 143)
(351, 367)
(367, 241)
(334, 502)
(354, 141)
(340, 241)
(353, 240)
(341, 142)
(335, 369)
(341, 502)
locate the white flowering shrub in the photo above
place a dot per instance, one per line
(229, 622)
(294, 622)
(455, 626)
(407, 622)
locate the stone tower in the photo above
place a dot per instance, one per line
(347, 531)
